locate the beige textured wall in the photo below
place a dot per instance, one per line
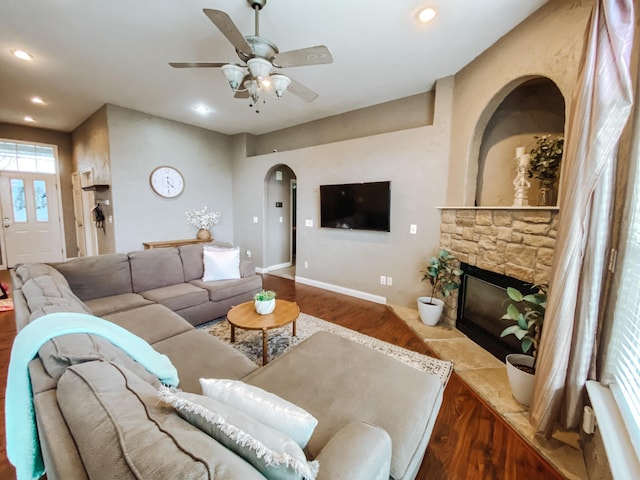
(401, 114)
(414, 160)
(138, 143)
(91, 152)
(548, 43)
(61, 140)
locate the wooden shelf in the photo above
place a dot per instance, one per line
(173, 243)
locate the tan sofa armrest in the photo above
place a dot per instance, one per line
(359, 451)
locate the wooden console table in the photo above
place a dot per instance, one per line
(173, 243)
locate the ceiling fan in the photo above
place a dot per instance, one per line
(261, 59)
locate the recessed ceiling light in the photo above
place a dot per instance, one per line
(29, 119)
(37, 100)
(427, 14)
(22, 55)
(202, 109)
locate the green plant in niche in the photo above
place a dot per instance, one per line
(546, 156)
(528, 313)
(265, 295)
(443, 273)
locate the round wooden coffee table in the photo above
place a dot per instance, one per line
(245, 316)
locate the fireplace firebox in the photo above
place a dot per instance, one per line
(482, 302)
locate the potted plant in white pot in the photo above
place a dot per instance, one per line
(443, 273)
(265, 302)
(527, 311)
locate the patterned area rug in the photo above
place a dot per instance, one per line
(249, 342)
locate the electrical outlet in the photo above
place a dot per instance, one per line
(413, 229)
(306, 264)
(383, 280)
(248, 253)
(255, 219)
(389, 281)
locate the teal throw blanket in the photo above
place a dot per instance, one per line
(23, 446)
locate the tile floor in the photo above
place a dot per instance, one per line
(488, 377)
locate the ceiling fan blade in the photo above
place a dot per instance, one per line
(224, 23)
(305, 56)
(196, 64)
(302, 92)
(241, 94)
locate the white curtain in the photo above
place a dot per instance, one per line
(600, 108)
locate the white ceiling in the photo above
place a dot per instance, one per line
(91, 52)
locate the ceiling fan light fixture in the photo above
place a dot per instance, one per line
(260, 68)
(234, 75)
(253, 88)
(280, 84)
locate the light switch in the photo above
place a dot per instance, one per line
(308, 222)
(255, 219)
(413, 229)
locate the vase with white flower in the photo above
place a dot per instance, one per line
(203, 221)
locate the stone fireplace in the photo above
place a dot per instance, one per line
(516, 243)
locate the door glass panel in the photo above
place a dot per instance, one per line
(42, 207)
(19, 200)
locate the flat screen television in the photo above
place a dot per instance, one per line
(356, 206)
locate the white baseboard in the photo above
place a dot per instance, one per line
(271, 268)
(346, 291)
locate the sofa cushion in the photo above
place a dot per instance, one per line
(214, 358)
(155, 268)
(152, 322)
(48, 294)
(192, 262)
(178, 296)
(262, 406)
(116, 303)
(346, 377)
(221, 263)
(223, 289)
(25, 271)
(122, 431)
(270, 451)
(61, 352)
(97, 276)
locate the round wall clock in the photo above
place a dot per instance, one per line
(166, 181)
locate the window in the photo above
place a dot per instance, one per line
(27, 157)
(622, 365)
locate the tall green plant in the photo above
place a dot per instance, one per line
(443, 273)
(527, 311)
(546, 156)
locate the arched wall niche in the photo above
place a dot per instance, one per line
(525, 108)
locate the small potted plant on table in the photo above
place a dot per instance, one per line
(443, 273)
(265, 302)
(527, 311)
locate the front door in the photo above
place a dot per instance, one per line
(30, 218)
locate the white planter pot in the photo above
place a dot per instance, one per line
(430, 313)
(521, 382)
(265, 307)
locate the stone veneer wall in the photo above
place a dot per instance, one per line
(518, 243)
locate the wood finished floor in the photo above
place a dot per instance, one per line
(469, 440)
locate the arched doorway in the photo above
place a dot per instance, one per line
(280, 221)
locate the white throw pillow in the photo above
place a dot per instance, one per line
(265, 407)
(221, 263)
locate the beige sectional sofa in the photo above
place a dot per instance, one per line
(98, 412)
